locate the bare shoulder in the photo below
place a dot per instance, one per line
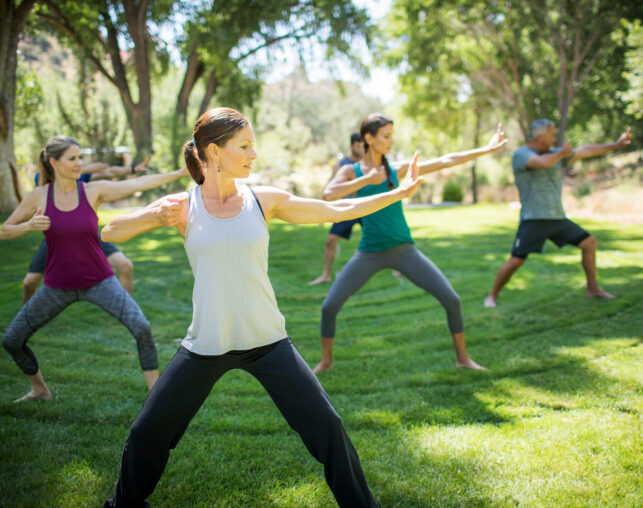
(270, 198)
(346, 173)
(37, 198)
(270, 194)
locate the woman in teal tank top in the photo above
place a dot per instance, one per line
(386, 240)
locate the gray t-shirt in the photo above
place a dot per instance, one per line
(540, 189)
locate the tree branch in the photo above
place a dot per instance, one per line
(66, 29)
(22, 12)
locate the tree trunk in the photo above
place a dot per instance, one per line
(476, 143)
(12, 18)
(136, 16)
(193, 72)
(210, 88)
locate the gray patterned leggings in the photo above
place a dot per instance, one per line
(405, 258)
(48, 302)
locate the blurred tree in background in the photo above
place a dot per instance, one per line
(531, 59)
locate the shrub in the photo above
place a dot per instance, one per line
(452, 192)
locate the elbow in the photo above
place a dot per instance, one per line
(107, 234)
(327, 195)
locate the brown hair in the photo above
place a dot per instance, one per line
(55, 148)
(370, 125)
(216, 126)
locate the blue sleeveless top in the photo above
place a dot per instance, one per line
(387, 227)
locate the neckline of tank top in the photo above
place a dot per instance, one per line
(53, 201)
(242, 189)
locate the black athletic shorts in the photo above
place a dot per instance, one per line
(532, 234)
(344, 228)
(39, 260)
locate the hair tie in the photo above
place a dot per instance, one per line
(193, 142)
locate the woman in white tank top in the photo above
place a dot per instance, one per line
(236, 322)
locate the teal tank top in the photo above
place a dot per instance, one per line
(386, 228)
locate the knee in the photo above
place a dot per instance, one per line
(589, 244)
(141, 430)
(123, 266)
(452, 302)
(515, 263)
(331, 241)
(142, 331)
(11, 345)
(31, 281)
(329, 308)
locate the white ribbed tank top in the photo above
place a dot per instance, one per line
(234, 305)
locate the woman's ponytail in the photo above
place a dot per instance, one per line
(47, 174)
(194, 165)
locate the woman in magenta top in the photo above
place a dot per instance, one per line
(76, 268)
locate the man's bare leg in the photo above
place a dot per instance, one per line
(330, 251)
(588, 260)
(124, 269)
(39, 390)
(326, 362)
(463, 360)
(502, 277)
(29, 285)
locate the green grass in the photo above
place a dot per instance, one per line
(556, 421)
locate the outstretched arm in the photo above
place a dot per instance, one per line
(345, 182)
(169, 211)
(588, 151)
(547, 160)
(122, 171)
(94, 167)
(103, 191)
(285, 206)
(497, 141)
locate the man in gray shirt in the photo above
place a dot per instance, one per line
(537, 171)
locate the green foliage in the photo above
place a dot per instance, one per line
(301, 125)
(582, 190)
(452, 191)
(29, 95)
(634, 70)
(555, 421)
(512, 55)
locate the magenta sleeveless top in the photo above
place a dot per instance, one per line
(74, 259)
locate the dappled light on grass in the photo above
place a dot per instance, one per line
(555, 421)
(76, 485)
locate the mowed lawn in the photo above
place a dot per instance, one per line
(555, 421)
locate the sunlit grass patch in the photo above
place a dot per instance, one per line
(555, 421)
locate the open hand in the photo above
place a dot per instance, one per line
(566, 149)
(498, 140)
(141, 167)
(170, 210)
(625, 139)
(39, 222)
(412, 179)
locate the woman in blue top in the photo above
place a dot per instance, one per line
(386, 240)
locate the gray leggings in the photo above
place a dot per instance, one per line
(405, 258)
(48, 302)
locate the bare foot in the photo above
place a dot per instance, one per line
(398, 276)
(319, 280)
(321, 366)
(490, 301)
(599, 293)
(46, 395)
(469, 364)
